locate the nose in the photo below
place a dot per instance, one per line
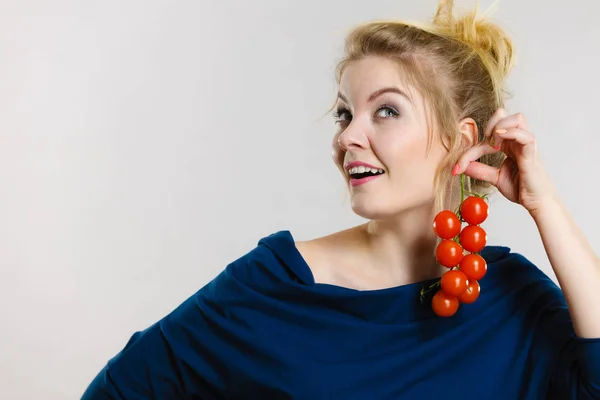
(353, 137)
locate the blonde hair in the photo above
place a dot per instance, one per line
(459, 65)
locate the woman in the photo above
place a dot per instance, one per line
(340, 317)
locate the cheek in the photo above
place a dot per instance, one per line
(336, 153)
(411, 167)
(399, 153)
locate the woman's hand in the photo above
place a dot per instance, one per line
(521, 178)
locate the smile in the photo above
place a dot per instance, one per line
(360, 174)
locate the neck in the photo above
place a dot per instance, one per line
(404, 246)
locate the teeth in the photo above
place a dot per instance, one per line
(362, 169)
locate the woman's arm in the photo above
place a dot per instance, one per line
(576, 266)
(523, 179)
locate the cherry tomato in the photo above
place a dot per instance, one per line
(444, 305)
(446, 224)
(449, 253)
(474, 210)
(473, 238)
(454, 283)
(473, 266)
(471, 294)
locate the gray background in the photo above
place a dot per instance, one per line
(146, 144)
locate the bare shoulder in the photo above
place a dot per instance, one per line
(314, 252)
(324, 255)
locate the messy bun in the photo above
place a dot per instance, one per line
(459, 65)
(488, 40)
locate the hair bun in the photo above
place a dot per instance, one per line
(486, 38)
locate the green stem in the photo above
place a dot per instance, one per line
(462, 188)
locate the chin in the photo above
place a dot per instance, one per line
(372, 208)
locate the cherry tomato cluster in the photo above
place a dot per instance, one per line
(460, 283)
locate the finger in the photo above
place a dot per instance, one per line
(517, 120)
(473, 154)
(501, 120)
(498, 115)
(483, 172)
(518, 135)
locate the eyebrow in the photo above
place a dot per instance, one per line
(378, 93)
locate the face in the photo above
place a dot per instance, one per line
(381, 144)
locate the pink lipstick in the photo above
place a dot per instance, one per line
(361, 172)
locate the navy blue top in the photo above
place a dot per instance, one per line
(264, 329)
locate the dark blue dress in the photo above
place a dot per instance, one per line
(263, 329)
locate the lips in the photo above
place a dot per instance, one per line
(361, 172)
(360, 181)
(358, 164)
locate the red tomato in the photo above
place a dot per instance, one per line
(474, 210)
(471, 294)
(473, 266)
(454, 283)
(449, 253)
(473, 238)
(446, 224)
(444, 305)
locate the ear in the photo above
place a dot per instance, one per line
(468, 128)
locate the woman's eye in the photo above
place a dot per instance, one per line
(387, 112)
(342, 115)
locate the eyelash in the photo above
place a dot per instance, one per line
(341, 111)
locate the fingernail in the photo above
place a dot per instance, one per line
(455, 170)
(500, 130)
(496, 147)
